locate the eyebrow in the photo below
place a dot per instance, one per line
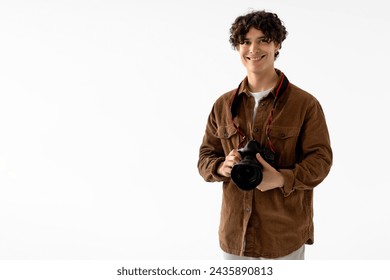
(261, 37)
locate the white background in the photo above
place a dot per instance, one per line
(103, 106)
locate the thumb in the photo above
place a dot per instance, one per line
(262, 161)
(260, 158)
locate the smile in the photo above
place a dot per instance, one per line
(255, 58)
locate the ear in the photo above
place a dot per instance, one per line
(277, 47)
(276, 50)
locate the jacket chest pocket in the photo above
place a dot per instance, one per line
(229, 137)
(285, 141)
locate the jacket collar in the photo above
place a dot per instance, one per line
(244, 87)
(277, 91)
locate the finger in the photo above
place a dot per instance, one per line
(260, 188)
(235, 153)
(232, 163)
(263, 188)
(262, 161)
(232, 160)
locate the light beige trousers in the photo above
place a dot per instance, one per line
(296, 255)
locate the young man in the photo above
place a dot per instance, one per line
(274, 220)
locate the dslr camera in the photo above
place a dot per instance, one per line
(248, 173)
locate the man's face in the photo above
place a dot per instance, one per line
(257, 52)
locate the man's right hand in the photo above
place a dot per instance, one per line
(225, 168)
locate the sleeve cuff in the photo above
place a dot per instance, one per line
(214, 172)
(288, 176)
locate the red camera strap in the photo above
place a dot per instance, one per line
(283, 85)
(271, 114)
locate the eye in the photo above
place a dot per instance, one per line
(245, 42)
(265, 40)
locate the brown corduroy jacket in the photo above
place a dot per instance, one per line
(277, 222)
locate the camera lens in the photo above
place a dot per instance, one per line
(247, 175)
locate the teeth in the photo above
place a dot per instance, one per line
(254, 58)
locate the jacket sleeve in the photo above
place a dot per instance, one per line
(316, 153)
(211, 152)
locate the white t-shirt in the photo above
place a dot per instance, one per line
(259, 96)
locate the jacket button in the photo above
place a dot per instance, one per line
(282, 135)
(248, 209)
(226, 134)
(255, 129)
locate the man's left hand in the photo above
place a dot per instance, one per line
(272, 178)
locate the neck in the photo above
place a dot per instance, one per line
(262, 82)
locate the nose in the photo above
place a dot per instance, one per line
(254, 48)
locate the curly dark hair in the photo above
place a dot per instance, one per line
(268, 23)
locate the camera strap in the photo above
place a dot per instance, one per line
(234, 113)
(282, 87)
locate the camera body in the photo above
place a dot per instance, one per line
(248, 173)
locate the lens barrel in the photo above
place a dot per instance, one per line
(247, 174)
